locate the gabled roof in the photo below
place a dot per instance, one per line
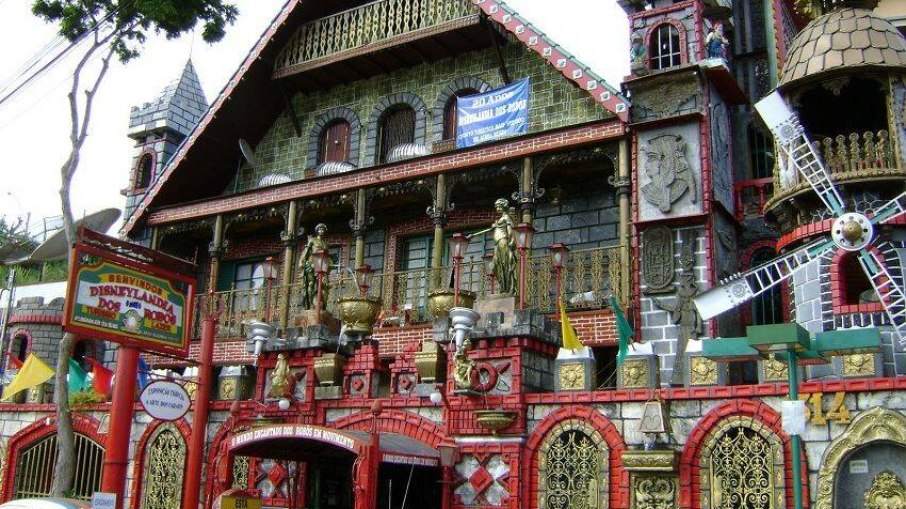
(179, 107)
(251, 100)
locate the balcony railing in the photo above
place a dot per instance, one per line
(751, 195)
(368, 24)
(586, 281)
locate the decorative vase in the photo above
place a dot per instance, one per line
(440, 302)
(359, 313)
(329, 369)
(431, 363)
(494, 420)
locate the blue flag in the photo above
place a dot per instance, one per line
(143, 371)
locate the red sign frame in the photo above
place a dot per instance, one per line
(115, 254)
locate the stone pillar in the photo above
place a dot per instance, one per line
(289, 237)
(527, 191)
(623, 187)
(216, 249)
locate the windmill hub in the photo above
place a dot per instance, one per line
(852, 231)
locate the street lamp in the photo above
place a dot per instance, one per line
(448, 452)
(321, 264)
(559, 258)
(270, 267)
(459, 243)
(363, 275)
(524, 235)
(488, 260)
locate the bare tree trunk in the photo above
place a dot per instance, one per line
(64, 469)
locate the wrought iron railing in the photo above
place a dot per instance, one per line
(368, 24)
(587, 282)
(751, 195)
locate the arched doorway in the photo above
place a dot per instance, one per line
(325, 468)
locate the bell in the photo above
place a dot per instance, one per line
(654, 418)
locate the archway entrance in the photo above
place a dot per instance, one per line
(336, 469)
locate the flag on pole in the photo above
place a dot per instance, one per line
(143, 374)
(567, 332)
(78, 379)
(16, 362)
(34, 372)
(624, 330)
(102, 377)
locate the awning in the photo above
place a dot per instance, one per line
(306, 442)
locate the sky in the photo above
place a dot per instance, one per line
(34, 124)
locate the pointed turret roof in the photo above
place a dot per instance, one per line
(179, 107)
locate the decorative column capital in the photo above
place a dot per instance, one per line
(622, 186)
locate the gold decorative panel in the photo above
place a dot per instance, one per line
(875, 425)
(164, 469)
(572, 376)
(702, 371)
(774, 370)
(858, 365)
(886, 492)
(654, 492)
(635, 373)
(240, 472)
(742, 466)
(573, 468)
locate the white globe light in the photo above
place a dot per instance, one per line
(436, 397)
(283, 404)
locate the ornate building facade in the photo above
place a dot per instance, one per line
(319, 195)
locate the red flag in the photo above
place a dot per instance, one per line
(102, 377)
(16, 362)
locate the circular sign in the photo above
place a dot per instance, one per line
(165, 400)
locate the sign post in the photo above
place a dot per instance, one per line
(140, 299)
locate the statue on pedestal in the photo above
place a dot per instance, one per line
(306, 265)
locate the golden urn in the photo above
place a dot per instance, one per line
(494, 420)
(358, 314)
(440, 302)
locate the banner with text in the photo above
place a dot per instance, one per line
(493, 115)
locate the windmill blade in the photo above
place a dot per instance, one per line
(889, 292)
(748, 285)
(890, 210)
(797, 147)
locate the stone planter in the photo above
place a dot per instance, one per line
(440, 302)
(329, 369)
(494, 420)
(431, 363)
(359, 313)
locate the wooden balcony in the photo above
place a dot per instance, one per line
(378, 37)
(586, 282)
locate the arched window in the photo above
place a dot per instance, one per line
(742, 467)
(574, 467)
(450, 113)
(851, 289)
(34, 468)
(164, 466)
(665, 48)
(19, 347)
(761, 153)
(397, 127)
(334, 142)
(144, 171)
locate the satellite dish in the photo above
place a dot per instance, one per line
(56, 246)
(248, 153)
(12, 252)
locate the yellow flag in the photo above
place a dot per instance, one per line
(34, 372)
(567, 333)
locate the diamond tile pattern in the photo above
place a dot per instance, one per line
(481, 479)
(484, 482)
(846, 38)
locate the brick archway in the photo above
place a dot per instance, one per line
(759, 414)
(618, 498)
(395, 421)
(141, 451)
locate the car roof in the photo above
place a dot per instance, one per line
(45, 503)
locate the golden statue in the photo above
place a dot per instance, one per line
(306, 264)
(505, 262)
(281, 380)
(463, 366)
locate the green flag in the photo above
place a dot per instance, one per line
(624, 330)
(77, 377)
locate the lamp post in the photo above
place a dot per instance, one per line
(459, 243)
(559, 258)
(488, 260)
(448, 452)
(524, 235)
(363, 275)
(321, 263)
(270, 268)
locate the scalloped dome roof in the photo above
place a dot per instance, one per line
(844, 39)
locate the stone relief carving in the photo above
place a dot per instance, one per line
(669, 174)
(655, 493)
(682, 308)
(720, 154)
(668, 99)
(658, 264)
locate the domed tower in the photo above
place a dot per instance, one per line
(158, 128)
(845, 75)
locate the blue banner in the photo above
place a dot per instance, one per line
(492, 115)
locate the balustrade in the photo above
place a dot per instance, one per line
(368, 24)
(586, 284)
(751, 195)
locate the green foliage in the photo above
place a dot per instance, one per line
(132, 20)
(85, 398)
(13, 236)
(29, 274)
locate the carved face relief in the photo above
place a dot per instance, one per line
(669, 180)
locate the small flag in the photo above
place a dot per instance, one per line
(34, 372)
(102, 377)
(78, 379)
(143, 371)
(567, 332)
(624, 330)
(16, 362)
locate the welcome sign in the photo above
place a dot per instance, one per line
(133, 301)
(492, 115)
